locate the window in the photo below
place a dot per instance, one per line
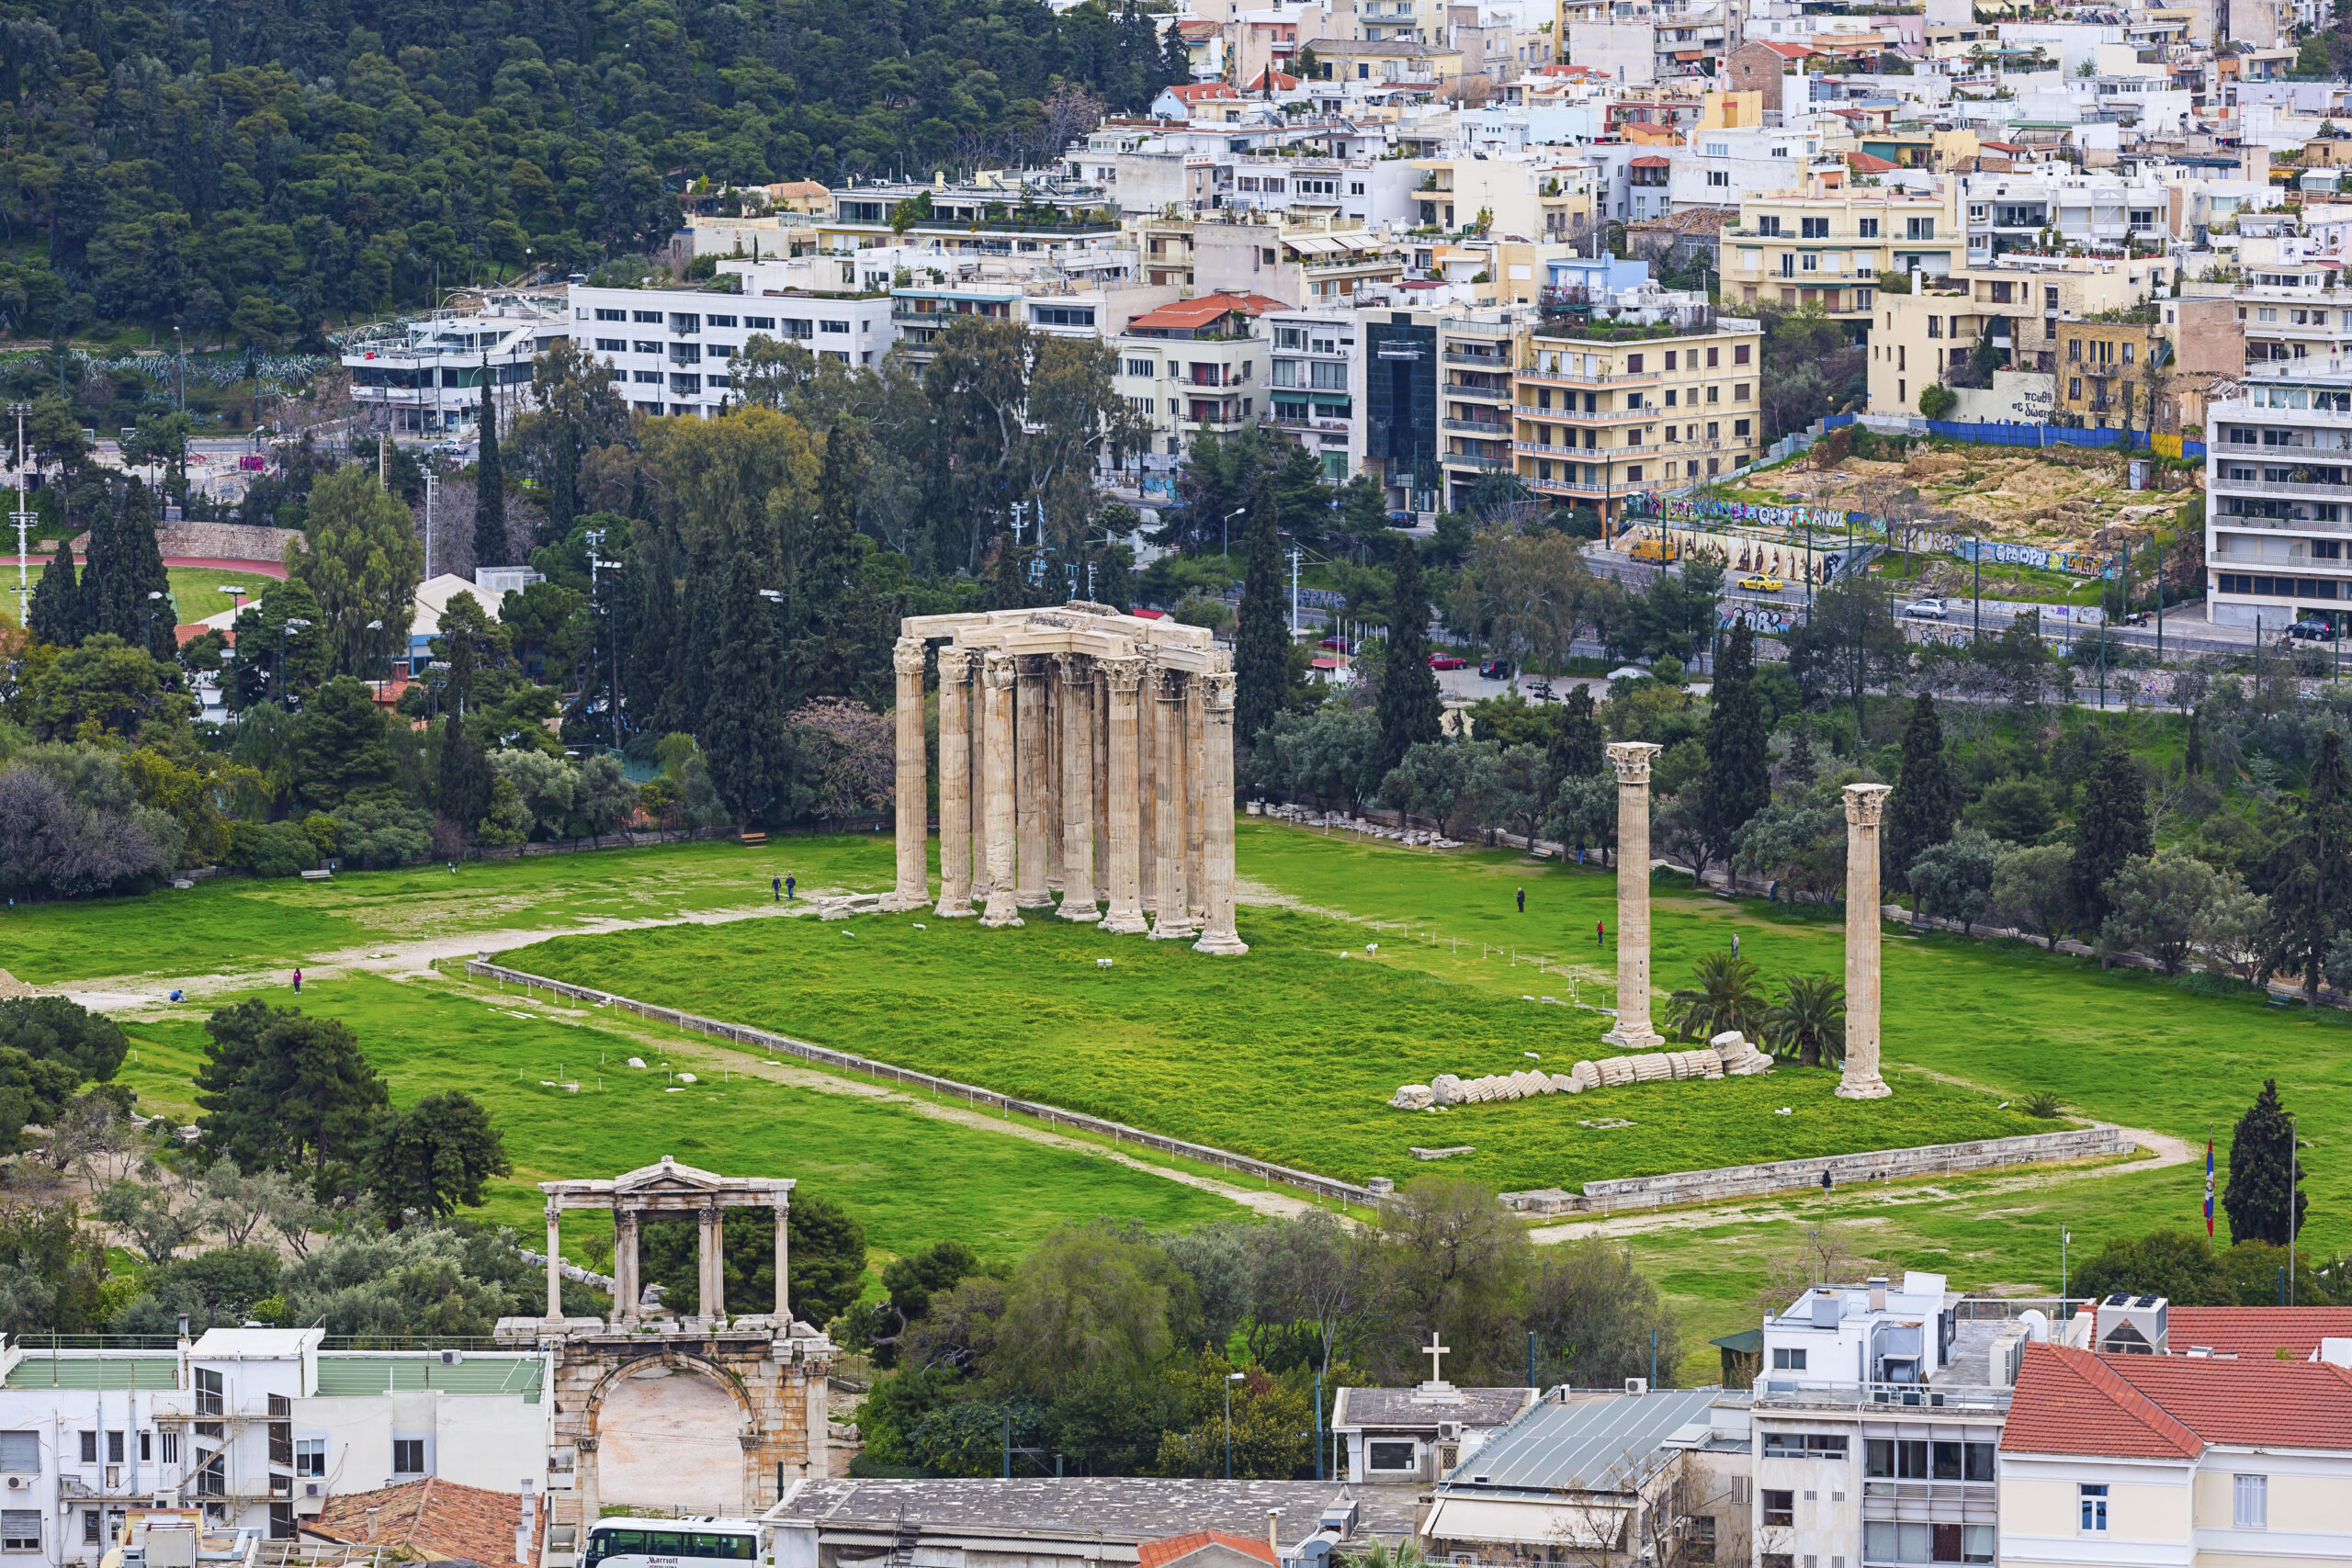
(1712, 355)
(1813, 228)
(1739, 353)
(1867, 228)
(1804, 1445)
(408, 1456)
(147, 1448)
(310, 1456)
(19, 1529)
(1739, 392)
(2250, 1502)
(653, 316)
(2093, 1506)
(1633, 365)
(171, 1448)
(842, 327)
(2074, 386)
(1669, 364)
(645, 345)
(1918, 228)
(1142, 367)
(1739, 429)
(1634, 474)
(1779, 1560)
(281, 1521)
(1062, 315)
(719, 321)
(211, 1474)
(93, 1528)
(1710, 435)
(1701, 1533)
(612, 346)
(759, 323)
(1719, 178)
(652, 378)
(114, 1447)
(89, 1447)
(1779, 1508)
(799, 327)
(1391, 1456)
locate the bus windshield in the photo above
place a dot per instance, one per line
(676, 1545)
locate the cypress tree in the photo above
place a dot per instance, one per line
(2193, 751)
(2309, 866)
(56, 611)
(137, 580)
(1576, 744)
(744, 731)
(490, 483)
(2265, 1177)
(1261, 643)
(2110, 826)
(1739, 766)
(92, 600)
(1011, 589)
(1925, 802)
(465, 776)
(1410, 709)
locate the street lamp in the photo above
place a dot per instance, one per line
(775, 597)
(1226, 528)
(377, 649)
(1230, 1378)
(296, 625)
(154, 594)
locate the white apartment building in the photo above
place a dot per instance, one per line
(2015, 209)
(1316, 385)
(2278, 496)
(2290, 312)
(670, 347)
(257, 1426)
(427, 374)
(1724, 168)
(1200, 364)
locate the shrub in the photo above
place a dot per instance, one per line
(272, 848)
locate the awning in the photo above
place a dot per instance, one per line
(1575, 1526)
(1331, 400)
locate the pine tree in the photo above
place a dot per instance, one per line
(464, 794)
(1576, 744)
(56, 610)
(2110, 826)
(1261, 643)
(743, 732)
(1925, 802)
(1740, 753)
(490, 483)
(1410, 709)
(2264, 1171)
(2308, 868)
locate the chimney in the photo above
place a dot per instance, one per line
(1878, 1292)
(1273, 1544)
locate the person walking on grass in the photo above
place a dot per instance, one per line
(1735, 947)
(775, 886)
(1599, 933)
(789, 884)
(1522, 900)
(298, 982)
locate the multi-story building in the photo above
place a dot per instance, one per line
(2287, 311)
(1316, 385)
(256, 1428)
(2278, 496)
(427, 375)
(1475, 358)
(1541, 195)
(1826, 247)
(1633, 397)
(2025, 305)
(2024, 209)
(2109, 372)
(1197, 365)
(670, 347)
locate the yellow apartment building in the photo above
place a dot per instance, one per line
(1826, 247)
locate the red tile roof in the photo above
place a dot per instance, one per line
(1197, 92)
(1863, 164)
(1650, 163)
(2073, 1401)
(429, 1519)
(2256, 1333)
(1152, 1553)
(1200, 312)
(1284, 82)
(1792, 50)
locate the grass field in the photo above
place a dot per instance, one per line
(910, 1178)
(197, 590)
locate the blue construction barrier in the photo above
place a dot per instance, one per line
(1992, 434)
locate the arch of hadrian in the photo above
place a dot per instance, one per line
(1081, 752)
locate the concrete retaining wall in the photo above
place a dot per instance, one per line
(1875, 1165)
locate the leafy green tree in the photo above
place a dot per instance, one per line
(828, 1259)
(283, 1091)
(1725, 993)
(1261, 646)
(1925, 802)
(2110, 826)
(464, 791)
(1450, 1260)
(1953, 880)
(2018, 810)
(134, 595)
(1592, 1313)
(1578, 745)
(341, 743)
(2175, 1265)
(1090, 1301)
(2308, 869)
(53, 1028)
(2033, 888)
(1739, 744)
(1408, 705)
(434, 1157)
(2158, 908)
(909, 1284)
(1849, 644)
(51, 1268)
(1269, 1434)
(2264, 1196)
(491, 546)
(31, 1090)
(754, 759)
(56, 610)
(103, 687)
(362, 561)
(1807, 1021)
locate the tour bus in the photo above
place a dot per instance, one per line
(671, 1543)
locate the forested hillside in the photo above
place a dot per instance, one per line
(263, 168)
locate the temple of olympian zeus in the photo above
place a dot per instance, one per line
(1865, 806)
(1082, 752)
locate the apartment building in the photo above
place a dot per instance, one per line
(1475, 418)
(2287, 311)
(1724, 168)
(2193, 1461)
(427, 375)
(671, 348)
(2025, 305)
(256, 1428)
(1601, 410)
(1197, 365)
(2023, 210)
(2104, 373)
(1826, 247)
(2278, 496)
(1316, 385)
(1544, 196)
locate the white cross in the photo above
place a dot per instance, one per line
(1433, 1350)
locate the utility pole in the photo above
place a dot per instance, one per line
(1977, 553)
(1293, 593)
(428, 522)
(2158, 545)
(23, 517)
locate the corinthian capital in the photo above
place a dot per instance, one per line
(1866, 804)
(1631, 760)
(906, 656)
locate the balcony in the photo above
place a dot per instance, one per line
(1604, 418)
(1492, 429)
(2289, 489)
(1482, 394)
(1498, 363)
(1876, 1396)
(1467, 460)
(1582, 378)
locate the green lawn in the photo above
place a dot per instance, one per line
(911, 1179)
(197, 590)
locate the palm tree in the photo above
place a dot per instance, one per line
(1406, 1553)
(1808, 1021)
(1726, 996)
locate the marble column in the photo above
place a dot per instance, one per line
(998, 677)
(1195, 798)
(976, 717)
(784, 1257)
(1147, 787)
(1217, 934)
(1631, 760)
(1057, 740)
(626, 1289)
(954, 784)
(712, 1305)
(555, 1260)
(1100, 699)
(1029, 786)
(1174, 920)
(913, 828)
(1865, 809)
(1121, 679)
(1077, 824)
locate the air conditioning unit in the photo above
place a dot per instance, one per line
(17, 1483)
(1450, 1431)
(453, 1358)
(1637, 1385)
(309, 1489)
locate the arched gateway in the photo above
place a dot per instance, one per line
(710, 1412)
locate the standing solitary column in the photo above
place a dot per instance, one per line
(1631, 761)
(624, 1285)
(997, 677)
(712, 1290)
(1173, 921)
(1101, 707)
(1057, 740)
(976, 717)
(1077, 826)
(1196, 800)
(954, 784)
(1029, 786)
(1219, 935)
(1147, 783)
(555, 1260)
(913, 890)
(1865, 808)
(1121, 677)
(784, 1257)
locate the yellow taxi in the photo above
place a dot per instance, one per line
(1757, 583)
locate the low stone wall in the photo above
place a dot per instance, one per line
(1874, 1165)
(1052, 1115)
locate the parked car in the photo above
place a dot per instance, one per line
(1757, 583)
(1496, 669)
(1337, 643)
(1448, 662)
(1927, 609)
(2312, 630)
